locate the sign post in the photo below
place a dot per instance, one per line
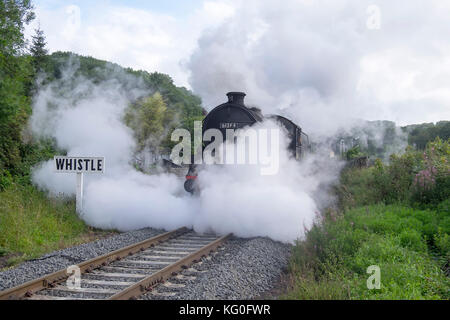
(79, 199)
(79, 165)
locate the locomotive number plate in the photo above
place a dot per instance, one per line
(232, 125)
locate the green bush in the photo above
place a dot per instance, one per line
(431, 184)
(5, 179)
(444, 207)
(421, 179)
(442, 241)
(400, 240)
(31, 153)
(357, 188)
(354, 153)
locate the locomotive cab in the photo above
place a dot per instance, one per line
(298, 140)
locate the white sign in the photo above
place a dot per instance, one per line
(79, 164)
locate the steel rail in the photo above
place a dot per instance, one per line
(51, 280)
(162, 275)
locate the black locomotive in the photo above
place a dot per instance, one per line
(235, 115)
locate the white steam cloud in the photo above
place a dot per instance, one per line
(319, 63)
(325, 63)
(85, 120)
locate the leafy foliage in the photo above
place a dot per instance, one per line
(420, 134)
(432, 183)
(416, 177)
(373, 138)
(354, 153)
(16, 156)
(409, 239)
(148, 117)
(181, 107)
(398, 239)
(15, 79)
(177, 99)
(14, 14)
(380, 139)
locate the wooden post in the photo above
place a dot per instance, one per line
(79, 203)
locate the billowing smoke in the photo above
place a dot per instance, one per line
(85, 119)
(321, 63)
(282, 205)
(326, 63)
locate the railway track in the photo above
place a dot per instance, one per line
(123, 274)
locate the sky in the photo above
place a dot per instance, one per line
(149, 35)
(309, 59)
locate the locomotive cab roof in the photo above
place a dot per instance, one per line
(285, 121)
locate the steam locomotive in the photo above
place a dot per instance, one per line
(234, 115)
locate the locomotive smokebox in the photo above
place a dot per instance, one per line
(236, 98)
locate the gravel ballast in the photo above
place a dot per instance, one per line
(61, 259)
(241, 269)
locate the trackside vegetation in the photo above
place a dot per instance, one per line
(31, 223)
(395, 216)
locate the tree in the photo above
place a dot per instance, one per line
(420, 134)
(14, 78)
(38, 50)
(13, 15)
(148, 117)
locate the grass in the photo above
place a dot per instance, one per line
(404, 242)
(31, 224)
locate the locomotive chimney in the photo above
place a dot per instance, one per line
(236, 97)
